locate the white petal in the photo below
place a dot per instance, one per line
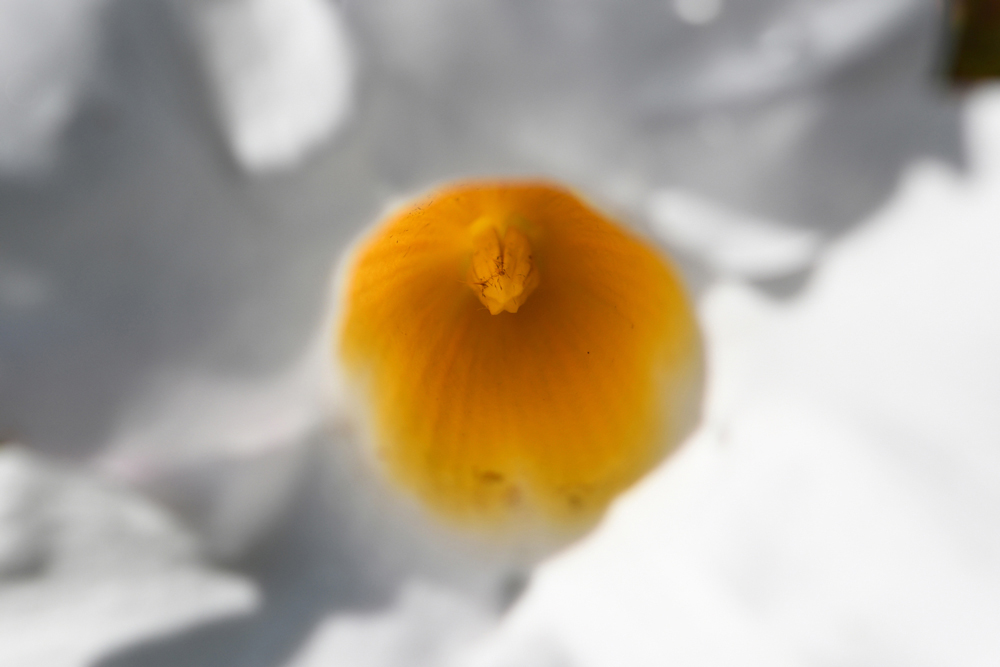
(281, 72)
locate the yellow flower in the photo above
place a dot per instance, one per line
(517, 358)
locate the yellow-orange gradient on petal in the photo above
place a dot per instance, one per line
(518, 357)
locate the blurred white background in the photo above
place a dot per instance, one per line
(179, 177)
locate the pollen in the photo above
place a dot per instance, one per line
(516, 357)
(502, 275)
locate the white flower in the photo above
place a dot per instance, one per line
(167, 325)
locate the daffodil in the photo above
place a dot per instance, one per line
(156, 303)
(517, 358)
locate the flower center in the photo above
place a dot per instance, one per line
(502, 273)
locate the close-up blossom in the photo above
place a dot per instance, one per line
(475, 334)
